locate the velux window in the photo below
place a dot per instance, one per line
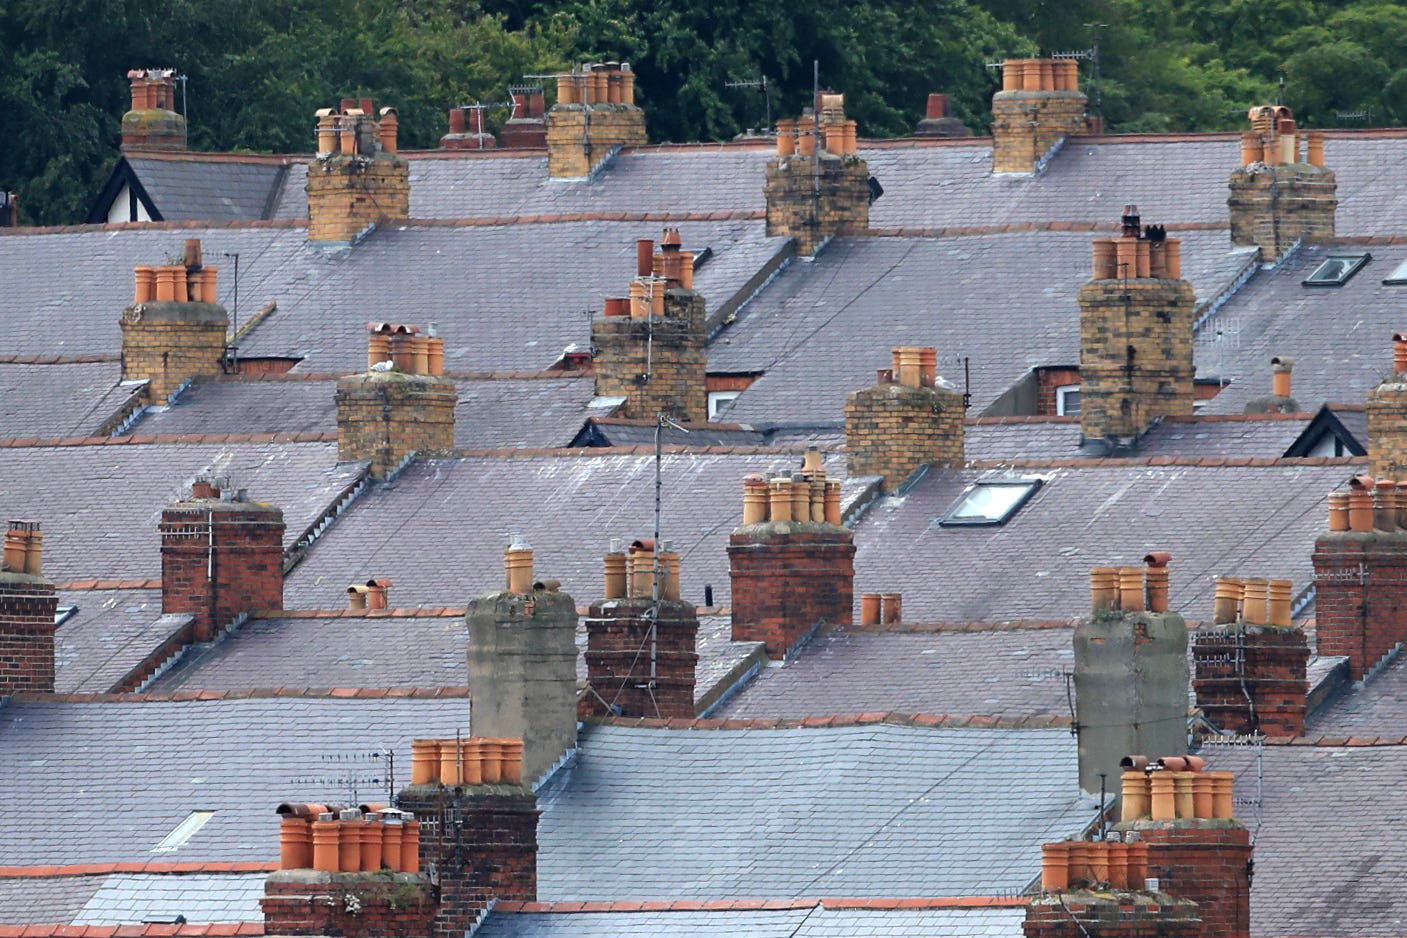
(1336, 269)
(990, 502)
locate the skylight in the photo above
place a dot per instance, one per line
(1336, 269)
(1398, 276)
(183, 831)
(990, 502)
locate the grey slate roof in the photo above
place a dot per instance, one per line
(1034, 438)
(208, 190)
(1340, 337)
(642, 433)
(1008, 302)
(111, 633)
(100, 505)
(60, 400)
(1216, 520)
(1012, 673)
(246, 405)
(31, 900)
(104, 782)
(816, 921)
(132, 898)
(1372, 709)
(857, 811)
(568, 507)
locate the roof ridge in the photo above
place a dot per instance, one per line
(147, 439)
(890, 717)
(140, 866)
(575, 906)
(251, 693)
(1183, 461)
(408, 612)
(187, 930)
(84, 585)
(967, 231)
(1336, 742)
(156, 226)
(1009, 625)
(565, 217)
(87, 359)
(585, 452)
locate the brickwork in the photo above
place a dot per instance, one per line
(385, 416)
(219, 559)
(788, 578)
(153, 129)
(353, 905)
(1026, 124)
(1136, 355)
(481, 844)
(619, 652)
(1275, 206)
(579, 136)
(348, 192)
(892, 429)
(27, 607)
(1107, 914)
(167, 343)
(671, 350)
(1048, 380)
(1206, 861)
(1266, 664)
(812, 204)
(1387, 428)
(1360, 599)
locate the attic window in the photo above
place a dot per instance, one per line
(183, 831)
(990, 503)
(1336, 270)
(1398, 277)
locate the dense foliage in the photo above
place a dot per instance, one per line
(258, 68)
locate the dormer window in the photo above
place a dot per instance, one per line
(1336, 269)
(990, 502)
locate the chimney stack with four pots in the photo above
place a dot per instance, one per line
(1040, 104)
(175, 329)
(357, 178)
(152, 123)
(594, 115)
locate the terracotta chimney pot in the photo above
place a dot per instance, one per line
(518, 563)
(891, 608)
(1399, 353)
(392, 830)
(1131, 589)
(1385, 505)
(1228, 598)
(1105, 259)
(833, 502)
(1278, 603)
(806, 136)
(869, 608)
(1316, 148)
(642, 571)
(1055, 867)
(780, 499)
(451, 760)
(410, 846)
(1032, 75)
(491, 759)
(1338, 511)
(800, 498)
(644, 257)
(1253, 605)
(325, 846)
(372, 830)
(1222, 788)
(1135, 801)
(1162, 798)
(615, 564)
(1360, 508)
(295, 844)
(471, 761)
(1104, 588)
(1013, 74)
(424, 761)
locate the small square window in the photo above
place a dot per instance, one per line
(1336, 269)
(990, 502)
(717, 400)
(1067, 400)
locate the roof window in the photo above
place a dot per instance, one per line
(990, 502)
(1398, 277)
(183, 831)
(1336, 269)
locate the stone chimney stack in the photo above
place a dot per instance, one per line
(1131, 673)
(1249, 663)
(357, 179)
(1387, 417)
(1136, 316)
(221, 555)
(792, 562)
(595, 114)
(642, 664)
(402, 404)
(911, 418)
(817, 186)
(1279, 196)
(522, 664)
(1360, 564)
(27, 606)
(651, 348)
(526, 127)
(175, 329)
(1040, 105)
(152, 123)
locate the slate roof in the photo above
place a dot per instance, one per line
(212, 190)
(110, 633)
(1059, 437)
(60, 399)
(132, 898)
(877, 810)
(1215, 519)
(568, 505)
(820, 330)
(1371, 709)
(158, 761)
(100, 504)
(611, 431)
(1339, 337)
(32, 900)
(1007, 674)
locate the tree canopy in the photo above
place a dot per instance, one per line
(256, 69)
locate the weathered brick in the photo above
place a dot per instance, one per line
(1275, 206)
(815, 198)
(579, 136)
(659, 364)
(1026, 124)
(385, 416)
(348, 192)
(891, 430)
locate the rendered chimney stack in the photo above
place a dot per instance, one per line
(357, 179)
(1130, 668)
(401, 405)
(175, 329)
(1039, 106)
(1278, 199)
(152, 123)
(28, 603)
(792, 561)
(656, 357)
(1136, 317)
(817, 187)
(595, 115)
(221, 556)
(522, 664)
(897, 426)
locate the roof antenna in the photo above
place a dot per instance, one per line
(662, 420)
(760, 82)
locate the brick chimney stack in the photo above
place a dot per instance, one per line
(526, 127)
(911, 418)
(175, 329)
(1387, 417)
(1136, 315)
(817, 186)
(467, 130)
(938, 119)
(595, 113)
(792, 562)
(1278, 195)
(357, 179)
(152, 123)
(27, 606)
(1040, 105)
(402, 403)
(522, 664)
(1250, 662)
(221, 555)
(1131, 672)
(651, 348)
(642, 664)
